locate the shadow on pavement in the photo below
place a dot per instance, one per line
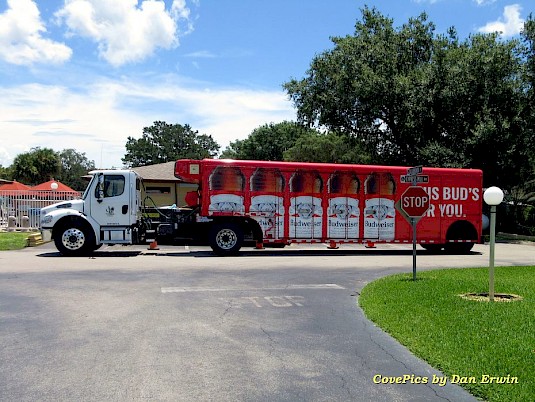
(244, 253)
(97, 254)
(302, 253)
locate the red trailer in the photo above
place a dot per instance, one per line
(290, 202)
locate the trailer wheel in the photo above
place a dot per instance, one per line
(226, 239)
(74, 238)
(457, 232)
(434, 248)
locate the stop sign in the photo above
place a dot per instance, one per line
(415, 201)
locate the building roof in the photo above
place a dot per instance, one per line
(14, 186)
(47, 186)
(160, 172)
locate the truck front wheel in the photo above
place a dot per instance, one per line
(226, 239)
(74, 239)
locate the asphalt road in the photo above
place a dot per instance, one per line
(180, 324)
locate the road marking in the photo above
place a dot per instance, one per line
(323, 286)
(269, 301)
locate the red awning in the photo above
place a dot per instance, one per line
(15, 186)
(47, 186)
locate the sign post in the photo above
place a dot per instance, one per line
(413, 223)
(415, 203)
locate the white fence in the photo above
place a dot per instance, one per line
(22, 203)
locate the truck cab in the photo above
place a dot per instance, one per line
(108, 213)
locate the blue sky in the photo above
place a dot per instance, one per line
(86, 74)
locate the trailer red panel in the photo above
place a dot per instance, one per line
(314, 202)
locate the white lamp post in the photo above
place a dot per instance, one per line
(493, 196)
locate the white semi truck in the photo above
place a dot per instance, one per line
(108, 213)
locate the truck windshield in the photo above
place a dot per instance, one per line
(86, 191)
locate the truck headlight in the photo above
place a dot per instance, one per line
(46, 219)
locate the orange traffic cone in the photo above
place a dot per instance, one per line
(332, 245)
(153, 246)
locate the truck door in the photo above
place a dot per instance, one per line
(111, 206)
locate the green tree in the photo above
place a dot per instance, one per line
(74, 165)
(267, 142)
(477, 107)
(163, 142)
(372, 85)
(528, 37)
(528, 110)
(5, 173)
(413, 97)
(36, 166)
(327, 148)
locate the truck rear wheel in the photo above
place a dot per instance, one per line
(226, 239)
(74, 239)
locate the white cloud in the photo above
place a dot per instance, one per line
(124, 30)
(99, 120)
(56, 117)
(4, 157)
(484, 2)
(509, 24)
(201, 54)
(21, 40)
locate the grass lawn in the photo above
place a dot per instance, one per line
(13, 240)
(462, 337)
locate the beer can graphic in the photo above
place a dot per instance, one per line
(228, 203)
(379, 210)
(226, 185)
(267, 202)
(343, 210)
(268, 211)
(306, 212)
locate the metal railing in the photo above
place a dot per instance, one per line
(19, 204)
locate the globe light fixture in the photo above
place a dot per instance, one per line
(493, 196)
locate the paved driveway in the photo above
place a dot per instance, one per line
(179, 324)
